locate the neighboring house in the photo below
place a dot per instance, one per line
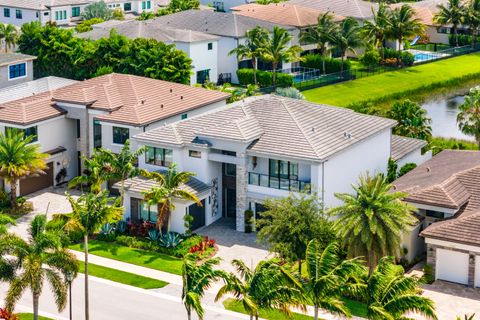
(262, 148)
(201, 47)
(15, 68)
(358, 9)
(61, 12)
(224, 5)
(409, 150)
(446, 192)
(229, 27)
(73, 120)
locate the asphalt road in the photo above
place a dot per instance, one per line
(113, 301)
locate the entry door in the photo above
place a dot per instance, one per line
(452, 266)
(231, 203)
(198, 214)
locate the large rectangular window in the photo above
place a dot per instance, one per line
(75, 11)
(147, 212)
(17, 71)
(97, 134)
(61, 15)
(283, 169)
(31, 131)
(18, 14)
(159, 156)
(146, 5)
(6, 12)
(127, 6)
(120, 135)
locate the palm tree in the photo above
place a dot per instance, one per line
(252, 47)
(9, 34)
(277, 49)
(97, 171)
(19, 159)
(376, 29)
(371, 221)
(346, 37)
(123, 164)
(267, 287)
(197, 277)
(90, 212)
(4, 221)
(328, 277)
(7, 266)
(40, 258)
(452, 13)
(471, 19)
(321, 35)
(468, 119)
(391, 295)
(402, 24)
(412, 120)
(169, 186)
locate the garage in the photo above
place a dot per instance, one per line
(198, 214)
(33, 184)
(477, 271)
(452, 266)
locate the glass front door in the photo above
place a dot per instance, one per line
(230, 203)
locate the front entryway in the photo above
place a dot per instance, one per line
(36, 183)
(229, 187)
(198, 214)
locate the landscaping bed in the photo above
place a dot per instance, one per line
(232, 305)
(29, 316)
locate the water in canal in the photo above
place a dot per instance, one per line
(443, 112)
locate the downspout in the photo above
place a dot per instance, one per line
(323, 186)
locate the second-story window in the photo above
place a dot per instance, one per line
(17, 71)
(18, 14)
(75, 11)
(210, 46)
(31, 131)
(159, 156)
(120, 135)
(283, 169)
(194, 154)
(6, 12)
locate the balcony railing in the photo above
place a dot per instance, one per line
(264, 180)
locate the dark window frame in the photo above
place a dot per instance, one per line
(75, 12)
(17, 71)
(27, 132)
(6, 12)
(120, 135)
(18, 14)
(163, 156)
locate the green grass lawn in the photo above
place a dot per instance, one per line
(397, 83)
(232, 305)
(29, 316)
(148, 259)
(122, 277)
(357, 309)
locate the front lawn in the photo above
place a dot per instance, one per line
(399, 84)
(29, 316)
(232, 305)
(122, 277)
(148, 259)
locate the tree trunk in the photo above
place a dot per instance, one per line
(455, 34)
(87, 313)
(399, 58)
(300, 267)
(35, 306)
(371, 262)
(189, 313)
(274, 73)
(341, 65)
(251, 316)
(122, 191)
(254, 66)
(13, 194)
(315, 312)
(323, 66)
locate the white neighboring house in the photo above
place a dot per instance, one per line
(446, 192)
(15, 68)
(262, 148)
(224, 5)
(201, 47)
(229, 27)
(74, 119)
(409, 150)
(62, 12)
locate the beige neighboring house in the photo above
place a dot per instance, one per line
(446, 192)
(15, 68)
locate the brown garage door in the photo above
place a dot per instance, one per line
(42, 181)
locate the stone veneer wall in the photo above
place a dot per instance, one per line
(242, 204)
(432, 259)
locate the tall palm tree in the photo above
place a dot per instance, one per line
(7, 266)
(346, 38)
(40, 258)
(169, 186)
(452, 13)
(252, 47)
(376, 29)
(198, 277)
(329, 276)
(321, 35)
(402, 24)
(471, 19)
(468, 119)
(89, 213)
(19, 158)
(371, 221)
(277, 49)
(267, 287)
(97, 171)
(123, 164)
(391, 295)
(9, 34)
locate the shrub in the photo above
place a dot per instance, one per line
(406, 168)
(264, 78)
(170, 240)
(248, 215)
(408, 59)
(140, 228)
(428, 274)
(290, 92)
(86, 25)
(371, 58)
(463, 39)
(389, 53)
(118, 14)
(203, 246)
(332, 65)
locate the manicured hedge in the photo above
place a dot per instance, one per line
(331, 65)
(264, 78)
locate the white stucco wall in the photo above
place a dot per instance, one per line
(414, 157)
(28, 15)
(227, 4)
(435, 36)
(202, 58)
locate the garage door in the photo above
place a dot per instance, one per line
(452, 266)
(33, 184)
(198, 214)
(477, 271)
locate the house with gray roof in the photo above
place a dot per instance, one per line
(265, 147)
(15, 68)
(201, 47)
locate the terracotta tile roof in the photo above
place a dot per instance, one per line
(135, 100)
(358, 9)
(449, 180)
(402, 146)
(282, 13)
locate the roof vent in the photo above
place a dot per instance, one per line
(428, 169)
(171, 90)
(143, 101)
(347, 135)
(181, 97)
(161, 106)
(394, 187)
(313, 129)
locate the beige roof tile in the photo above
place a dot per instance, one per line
(402, 146)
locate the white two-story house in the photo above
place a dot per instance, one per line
(261, 148)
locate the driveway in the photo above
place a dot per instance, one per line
(48, 201)
(233, 244)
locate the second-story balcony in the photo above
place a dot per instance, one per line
(264, 180)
